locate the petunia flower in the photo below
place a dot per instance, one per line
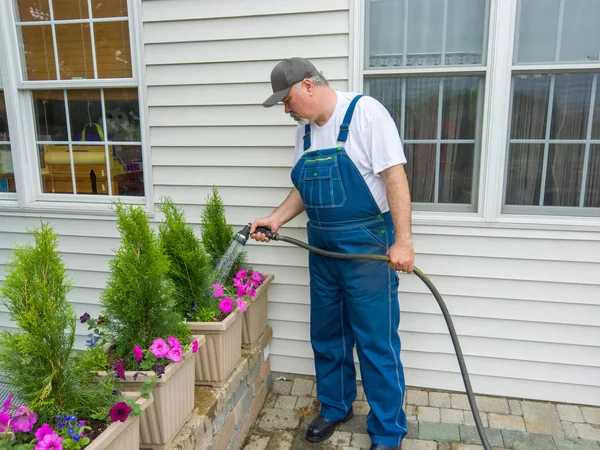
(242, 274)
(50, 442)
(138, 354)
(6, 405)
(237, 282)
(120, 371)
(85, 317)
(218, 290)
(174, 342)
(159, 348)
(4, 420)
(226, 304)
(195, 346)
(23, 420)
(158, 369)
(43, 431)
(175, 354)
(120, 412)
(256, 276)
(241, 291)
(251, 292)
(241, 304)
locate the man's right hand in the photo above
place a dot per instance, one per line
(264, 222)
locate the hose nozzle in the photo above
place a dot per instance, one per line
(243, 234)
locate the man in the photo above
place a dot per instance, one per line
(349, 178)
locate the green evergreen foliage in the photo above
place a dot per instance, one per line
(138, 301)
(38, 360)
(190, 267)
(217, 235)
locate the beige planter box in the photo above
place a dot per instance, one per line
(173, 401)
(255, 318)
(123, 435)
(223, 349)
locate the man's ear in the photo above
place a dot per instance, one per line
(308, 86)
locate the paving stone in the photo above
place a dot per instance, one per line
(278, 419)
(570, 413)
(575, 444)
(313, 393)
(256, 442)
(362, 408)
(286, 402)
(466, 447)
(440, 432)
(527, 441)
(411, 412)
(360, 393)
(282, 387)
(440, 400)
(305, 402)
(469, 435)
(452, 416)
(570, 430)
(357, 424)
(505, 422)
(515, 407)
(541, 418)
(271, 400)
(360, 440)
(444, 446)
(459, 401)
(469, 420)
(412, 444)
(341, 438)
(412, 430)
(492, 404)
(591, 415)
(417, 397)
(427, 414)
(587, 431)
(302, 387)
(351, 448)
(281, 440)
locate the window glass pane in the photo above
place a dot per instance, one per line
(113, 51)
(32, 10)
(70, 9)
(592, 189)
(530, 106)
(571, 106)
(557, 30)
(420, 171)
(564, 175)
(7, 172)
(524, 181)
(51, 119)
(128, 172)
(459, 112)
(122, 115)
(75, 51)
(85, 113)
(456, 173)
(422, 103)
(389, 93)
(426, 32)
(38, 53)
(4, 132)
(109, 8)
(596, 118)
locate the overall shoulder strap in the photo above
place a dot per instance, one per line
(306, 136)
(345, 126)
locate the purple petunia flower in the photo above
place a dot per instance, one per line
(226, 305)
(84, 318)
(159, 348)
(195, 346)
(23, 420)
(242, 274)
(120, 371)
(120, 412)
(158, 369)
(218, 290)
(138, 354)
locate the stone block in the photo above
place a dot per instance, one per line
(492, 404)
(412, 429)
(575, 444)
(459, 401)
(313, 393)
(283, 387)
(208, 401)
(541, 418)
(466, 447)
(591, 415)
(413, 444)
(570, 413)
(238, 375)
(360, 393)
(281, 440)
(440, 400)
(256, 442)
(286, 402)
(469, 420)
(357, 424)
(278, 419)
(587, 431)
(570, 430)
(220, 420)
(505, 422)
(469, 435)
(360, 440)
(341, 438)
(302, 387)
(444, 446)
(361, 408)
(527, 441)
(417, 397)
(440, 432)
(241, 409)
(411, 412)
(251, 416)
(515, 407)
(225, 435)
(305, 403)
(427, 414)
(254, 371)
(452, 416)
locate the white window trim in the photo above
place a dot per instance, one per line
(495, 122)
(29, 197)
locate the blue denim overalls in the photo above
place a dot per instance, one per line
(351, 301)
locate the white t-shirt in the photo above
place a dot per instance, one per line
(373, 143)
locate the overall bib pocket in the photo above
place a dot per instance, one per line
(320, 185)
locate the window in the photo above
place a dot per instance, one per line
(425, 60)
(7, 173)
(79, 88)
(553, 160)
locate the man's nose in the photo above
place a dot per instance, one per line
(287, 108)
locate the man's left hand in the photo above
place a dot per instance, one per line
(402, 256)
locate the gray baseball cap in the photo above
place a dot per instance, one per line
(285, 75)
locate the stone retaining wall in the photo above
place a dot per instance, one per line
(222, 417)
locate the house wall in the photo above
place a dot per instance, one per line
(525, 302)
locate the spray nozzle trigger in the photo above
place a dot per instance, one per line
(266, 231)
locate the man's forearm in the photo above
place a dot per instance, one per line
(290, 208)
(398, 196)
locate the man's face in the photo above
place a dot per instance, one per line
(295, 103)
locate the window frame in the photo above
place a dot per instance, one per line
(498, 71)
(29, 192)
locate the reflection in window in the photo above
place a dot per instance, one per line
(7, 173)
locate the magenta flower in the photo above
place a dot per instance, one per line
(84, 318)
(138, 354)
(120, 412)
(7, 403)
(175, 354)
(241, 304)
(4, 419)
(241, 291)
(242, 274)
(23, 420)
(159, 348)
(226, 304)
(256, 276)
(50, 442)
(251, 292)
(218, 290)
(194, 346)
(174, 342)
(43, 431)
(120, 371)
(237, 282)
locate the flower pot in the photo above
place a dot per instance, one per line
(173, 401)
(255, 317)
(123, 435)
(223, 349)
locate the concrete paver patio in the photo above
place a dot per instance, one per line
(437, 420)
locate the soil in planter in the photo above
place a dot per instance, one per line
(97, 427)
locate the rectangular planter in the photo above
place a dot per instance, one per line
(123, 435)
(173, 401)
(218, 357)
(255, 318)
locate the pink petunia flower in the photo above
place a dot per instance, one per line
(194, 346)
(226, 304)
(43, 431)
(4, 419)
(251, 292)
(138, 354)
(242, 274)
(237, 282)
(50, 442)
(120, 412)
(175, 354)
(241, 291)
(218, 290)
(6, 405)
(257, 276)
(120, 371)
(23, 420)
(159, 348)
(174, 342)
(241, 304)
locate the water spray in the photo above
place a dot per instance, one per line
(242, 237)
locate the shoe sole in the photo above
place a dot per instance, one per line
(344, 420)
